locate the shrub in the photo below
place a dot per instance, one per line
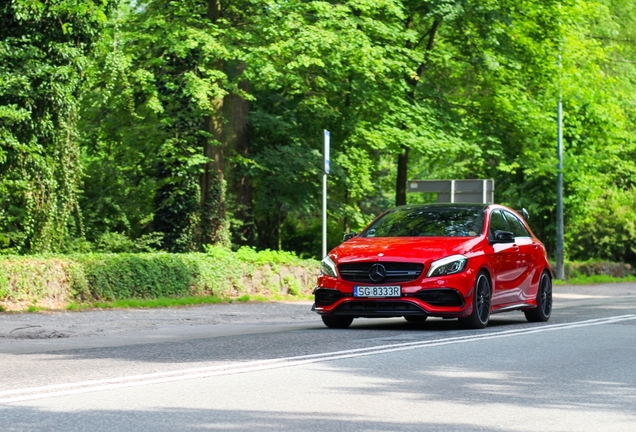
(608, 232)
(111, 276)
(591, 268)
(119, 276)
(596, 268)
(120, 243)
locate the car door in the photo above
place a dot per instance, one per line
(504, 259)
(526, 246)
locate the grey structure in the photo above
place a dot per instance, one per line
(457, 191)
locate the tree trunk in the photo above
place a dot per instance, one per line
(224, 185)
(213, 226)
(403, 157)
(236, 140)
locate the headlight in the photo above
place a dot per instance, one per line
(328, 267)
(449, 265)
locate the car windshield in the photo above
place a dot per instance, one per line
(428, 222)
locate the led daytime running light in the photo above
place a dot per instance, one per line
(449, 265)
(328, 267)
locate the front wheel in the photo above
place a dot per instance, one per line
(479, 317)
(544, 301)
(340, 322)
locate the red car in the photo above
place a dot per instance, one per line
(464, 261)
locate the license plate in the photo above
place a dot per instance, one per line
(377, 291)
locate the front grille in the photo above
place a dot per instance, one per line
(395, 272)
(441, 297)
(373, 308)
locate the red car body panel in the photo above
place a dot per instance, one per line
(514, 270)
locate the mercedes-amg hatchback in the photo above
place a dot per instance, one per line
(464, 261)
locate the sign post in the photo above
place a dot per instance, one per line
(324, 193)
(457, 191)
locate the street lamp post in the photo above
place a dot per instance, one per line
(560, 270)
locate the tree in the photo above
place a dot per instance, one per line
(44, 48)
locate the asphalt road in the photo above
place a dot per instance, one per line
(276, 367)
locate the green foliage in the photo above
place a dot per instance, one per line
(109, 277)
(117, 243)
(4, 286)
(595, 279)
(170, 124)
(577, 269)
(293, 285)
(120, 276)
(250, 255)
(607, 228)
(43, 51)
(147, 303)
(32, 278)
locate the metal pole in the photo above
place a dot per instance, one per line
(327, 137)
(560, 268)
(324, 215)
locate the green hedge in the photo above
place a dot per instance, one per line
(90, 277)
(593, 268)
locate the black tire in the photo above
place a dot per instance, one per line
(415, 318)
(544, 301)
(340, 322)
(482, 293)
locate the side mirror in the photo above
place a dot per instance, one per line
(503, 237)
(348, 236)
(523, 212)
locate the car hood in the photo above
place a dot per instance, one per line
(413, 249)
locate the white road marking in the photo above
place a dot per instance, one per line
(577, 296)
(34, 393)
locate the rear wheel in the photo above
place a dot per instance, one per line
(479, 317)
(415, 318)
(544, 301)
(337, 321)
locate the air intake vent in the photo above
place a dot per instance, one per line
(325, 297)
(379, 308)
(441, 297)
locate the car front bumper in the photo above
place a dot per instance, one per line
(444, 296)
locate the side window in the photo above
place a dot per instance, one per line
(497, 222)
(516, 226)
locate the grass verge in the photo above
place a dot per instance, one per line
(166, 302)
(594, 279)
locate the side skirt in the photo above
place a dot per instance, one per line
(519, 306)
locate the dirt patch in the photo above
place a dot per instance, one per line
(33, 332)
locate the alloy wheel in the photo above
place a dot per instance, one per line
(483, 298)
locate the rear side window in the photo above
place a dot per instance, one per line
(516, 226)
(497, 222)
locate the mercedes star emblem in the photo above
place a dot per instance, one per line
(377, 273)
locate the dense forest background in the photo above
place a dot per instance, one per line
(138, 125)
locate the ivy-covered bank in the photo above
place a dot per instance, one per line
(55, 281)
